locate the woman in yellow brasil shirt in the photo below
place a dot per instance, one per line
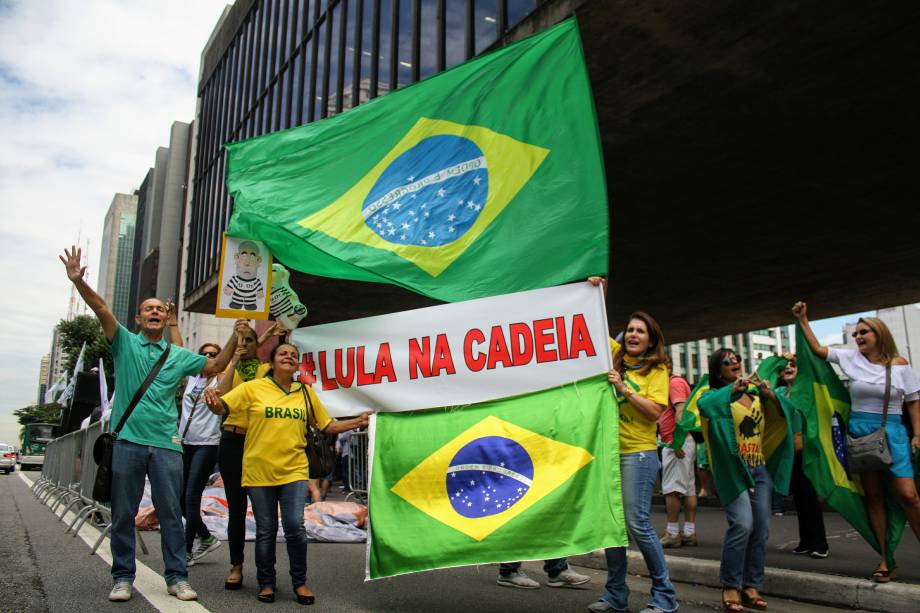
(640, 379)
(274, 411)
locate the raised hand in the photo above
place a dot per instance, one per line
(212, 399)
(800, 310)
(71, 260)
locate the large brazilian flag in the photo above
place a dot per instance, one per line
(485, 179)
(824, 404)
(524, 478)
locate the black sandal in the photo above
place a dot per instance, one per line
(753, 602)
(234, 585)
(883, 576)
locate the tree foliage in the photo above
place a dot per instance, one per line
(39, 414)
(80, 329)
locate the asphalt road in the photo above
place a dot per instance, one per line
(42, 569)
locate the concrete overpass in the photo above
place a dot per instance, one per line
(755, 154)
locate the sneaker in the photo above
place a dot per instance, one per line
(518, 579)
(801, 550)
(189, 560)
(601, 606)
(567, 578)
(206, 546)
(121, 592)
(669, 540)
(182, 590)
(819, 555)
(689, 540)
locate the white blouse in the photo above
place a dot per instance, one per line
(867, 382)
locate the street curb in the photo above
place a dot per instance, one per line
(832, 590)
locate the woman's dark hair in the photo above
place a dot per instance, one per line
(654, 355)
(271, 356)
(715, 366)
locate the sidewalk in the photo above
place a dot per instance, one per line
(840, 579)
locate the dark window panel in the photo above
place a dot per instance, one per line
(518, 9)
(265, 49)
(306, 100)
(383, 55)
(428, 38)
(370, 46)
(322, 6)
(249, 68)
(486, 24)
(394, 44)
(296, 88)
(232, 92)
(280, 36)
(224, 100)
(351, 72)
(405, 60)
(333, 81)
(319, 63)
(284, 106)
(454, 35)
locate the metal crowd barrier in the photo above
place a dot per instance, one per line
(68, 474)
(357, 465)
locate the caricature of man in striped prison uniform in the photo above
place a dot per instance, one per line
(245, 288)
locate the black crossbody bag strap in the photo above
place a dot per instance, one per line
(141, 391)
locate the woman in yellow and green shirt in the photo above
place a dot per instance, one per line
(275, 411)
(640, 379)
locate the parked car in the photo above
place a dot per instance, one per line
(7, 458)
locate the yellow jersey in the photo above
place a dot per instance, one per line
(638, 432)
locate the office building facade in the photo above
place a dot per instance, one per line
(691, 360)
(276, 64)
(116, 255)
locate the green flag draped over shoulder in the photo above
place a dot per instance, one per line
(485, 179)
(690, 416)
(824, 404)
(523, 478)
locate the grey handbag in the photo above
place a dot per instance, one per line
(870, 453)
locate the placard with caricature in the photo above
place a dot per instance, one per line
(245, 279)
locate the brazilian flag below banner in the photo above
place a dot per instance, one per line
(443, 187)
(525, 478)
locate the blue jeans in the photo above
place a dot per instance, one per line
(265, 501)
(744, 549)
(130, 463)
(551, 567)
(638, 472)
(198, 464)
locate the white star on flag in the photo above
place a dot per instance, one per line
(431, 235)
(477, 180)
(441, 193)
(452, 229)
(396, 205)
(410, 179)
(406, 226)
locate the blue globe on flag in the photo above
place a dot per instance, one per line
(431, 194)
(488, 476)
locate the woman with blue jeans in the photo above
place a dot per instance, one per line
(747, 434)
(200, 432)
(275, 412)
(640, 378)
(876, 352)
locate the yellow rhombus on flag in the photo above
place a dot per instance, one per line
(510, 164)
(426, 486)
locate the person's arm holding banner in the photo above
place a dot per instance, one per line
(172, 322)
(75, 272)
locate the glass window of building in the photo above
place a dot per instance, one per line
(333, 82)
(485, 24)
(455, 34)
(386, 41)
(320, 52)
(406, 59)
(348, 84)
(428, 43)
(518, 9)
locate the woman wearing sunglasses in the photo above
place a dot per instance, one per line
(866, 368)
(747, 434)
(275, 410)
(812, 537)
(640, 379)
(200, 432)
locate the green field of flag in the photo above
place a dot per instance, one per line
(824, 403)
(485, 179)
(525, 478)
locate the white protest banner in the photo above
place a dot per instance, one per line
(459, 353)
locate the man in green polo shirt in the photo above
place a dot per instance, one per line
(149, 444)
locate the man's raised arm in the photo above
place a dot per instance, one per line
(71, 260)
(217, 364)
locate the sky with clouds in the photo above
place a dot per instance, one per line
(88, 91)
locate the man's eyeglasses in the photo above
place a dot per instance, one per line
(862, 332)
(729, 361)
(209, 354)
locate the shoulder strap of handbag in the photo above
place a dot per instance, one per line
(311, 419)
(195, 400)
(887, 392)
(141, 391)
